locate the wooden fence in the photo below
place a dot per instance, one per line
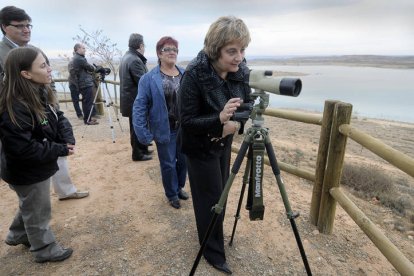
(100, 101)
(335, 129)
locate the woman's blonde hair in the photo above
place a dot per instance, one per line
(17, 88)
(224, 30)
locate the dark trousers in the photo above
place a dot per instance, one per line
(87, 102)
(138, 149)
(207, 180)
(74, 93)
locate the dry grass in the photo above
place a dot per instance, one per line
(372, 182)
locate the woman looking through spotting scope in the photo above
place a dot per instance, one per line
(213, 87)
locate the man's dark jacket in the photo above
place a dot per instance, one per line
(133, 66)
(83, 71)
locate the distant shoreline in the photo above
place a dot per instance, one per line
(392, 62)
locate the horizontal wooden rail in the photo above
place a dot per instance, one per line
(295, 116)
(60, 80)
(112, 82)
(66, 80)
(395, 157)
(387, 248)
(286, 167)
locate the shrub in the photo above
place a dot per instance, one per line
(370, 181)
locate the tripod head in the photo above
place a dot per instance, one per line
(102, 71)
(262, 81)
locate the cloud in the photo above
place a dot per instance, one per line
(277, 27)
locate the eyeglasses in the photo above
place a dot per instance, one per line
(22, 26)
(169, 50)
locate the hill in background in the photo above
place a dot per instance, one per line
(402, 62)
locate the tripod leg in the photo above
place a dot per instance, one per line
(112, 102)
(218, 208)
(246, 179)
(291, 216)
(106, 93)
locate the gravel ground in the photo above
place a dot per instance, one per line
(126, 227)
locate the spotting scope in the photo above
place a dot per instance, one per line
(261, 80)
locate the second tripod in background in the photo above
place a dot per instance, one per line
(107, 101)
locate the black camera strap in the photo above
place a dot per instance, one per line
(255, 194)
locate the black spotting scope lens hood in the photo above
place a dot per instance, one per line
(290, 87)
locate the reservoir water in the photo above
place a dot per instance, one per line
(381, 93)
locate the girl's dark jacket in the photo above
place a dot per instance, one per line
(30, 153)
(203, 95)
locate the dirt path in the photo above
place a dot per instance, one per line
(126, 227)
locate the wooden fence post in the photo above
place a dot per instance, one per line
(333, 172)
(321, 159)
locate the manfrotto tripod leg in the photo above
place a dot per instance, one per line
(246, 179)
(290, 214)
(218, 208)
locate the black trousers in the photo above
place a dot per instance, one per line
(87, 102)
(138, 149)
(207, 180)
(74, 93)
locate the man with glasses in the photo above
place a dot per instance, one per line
(16, 28)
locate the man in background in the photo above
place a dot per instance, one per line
(133, 66)
(16, 28)
(74, 90)
(85, 80)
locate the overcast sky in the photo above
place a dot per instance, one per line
(277, 27)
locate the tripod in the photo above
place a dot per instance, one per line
(103, 86)
(255, 143)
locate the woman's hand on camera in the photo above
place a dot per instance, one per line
(229, 109)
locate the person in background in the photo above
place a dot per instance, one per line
(74, 90)
(16, 26)
(213, 87)
(84, 74)
(155, 117)
(34, 133)
(133, 66)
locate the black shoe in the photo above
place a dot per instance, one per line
(148, 152)
(67, 252)
(175, 203)
(183, 195)
(223, 267)
(13, 243)
(145, 157)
